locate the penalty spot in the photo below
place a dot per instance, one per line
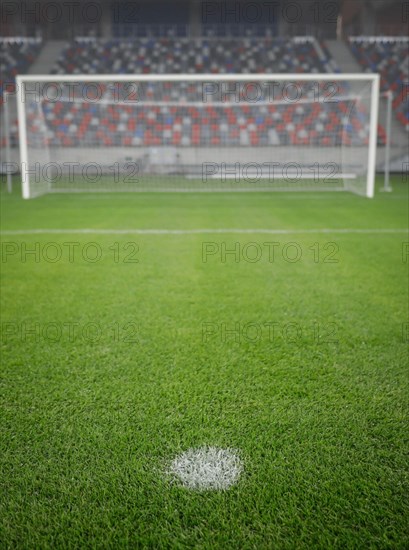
(207, 468)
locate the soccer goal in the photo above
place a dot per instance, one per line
(200, 133)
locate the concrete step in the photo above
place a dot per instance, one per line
(343, 56)
(47, 58)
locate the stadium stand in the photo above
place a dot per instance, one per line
(184, 55)
(104, 124)
(68, 123)
(178, 124)
(238, 125)
(16, 56)
(390, 57)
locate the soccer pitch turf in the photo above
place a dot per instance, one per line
(124, 349)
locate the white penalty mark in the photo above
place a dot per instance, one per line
(207, 468)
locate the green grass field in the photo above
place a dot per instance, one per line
(111, 367)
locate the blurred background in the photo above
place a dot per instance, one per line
(281, 36)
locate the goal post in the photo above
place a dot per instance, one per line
(198, 132)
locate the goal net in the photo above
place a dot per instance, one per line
(198, 133)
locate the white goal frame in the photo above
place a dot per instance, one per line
(373, 78)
